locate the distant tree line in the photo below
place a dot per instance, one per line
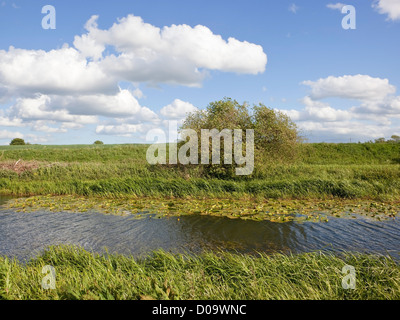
(393, 139)
(21, 142)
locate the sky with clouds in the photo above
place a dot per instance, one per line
(114, 70)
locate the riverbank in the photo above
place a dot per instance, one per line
(221, 276)
(320, 171)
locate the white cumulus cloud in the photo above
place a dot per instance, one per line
(75, 85)
(6, 134)
(62, 71)
(177, 110)
(375, 110)
(362, 87)
(389, 7)
(178, 54)
(124, 130)
(37, 108)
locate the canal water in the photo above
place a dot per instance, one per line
(23, 235)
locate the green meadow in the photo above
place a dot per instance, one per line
(368, 170)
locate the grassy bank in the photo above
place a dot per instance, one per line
(84, 275)
(320, 171)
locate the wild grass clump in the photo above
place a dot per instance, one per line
(114, 187)
(84, 275)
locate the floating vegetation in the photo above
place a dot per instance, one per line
(273, 210)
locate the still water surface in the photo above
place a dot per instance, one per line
(22, 235)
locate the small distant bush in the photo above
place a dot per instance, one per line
(17, 142)
(98, 142)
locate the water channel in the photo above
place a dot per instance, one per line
(23, 235)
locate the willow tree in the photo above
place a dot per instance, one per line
(276, 136)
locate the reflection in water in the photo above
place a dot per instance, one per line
(4, 199)
(24, 234)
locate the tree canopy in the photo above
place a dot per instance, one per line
(275, 135)
(17, 142)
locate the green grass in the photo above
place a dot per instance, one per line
(74, 153)
(350, 153)
(309, 153)
(84, 275)
(320, 171)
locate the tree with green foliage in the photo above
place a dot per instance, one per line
(17, 142)
(275, 136)
(380, 140)
(98, 142)
(395, 138)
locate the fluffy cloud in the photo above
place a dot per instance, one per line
(123, 104)
(125, 129)
(70, 87)
(63, 71)
(7, 122)
(318, 111)
(346, 129)
(335, 6)
(75, 111)
(175, 54)
(360, 87)
(376, 114)
(177, 110)
(29, 109)
(42, 126)
(5, 134)
(389, 7)
(171, 116)
(388, 107)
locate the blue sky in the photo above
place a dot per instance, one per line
(116, 83)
